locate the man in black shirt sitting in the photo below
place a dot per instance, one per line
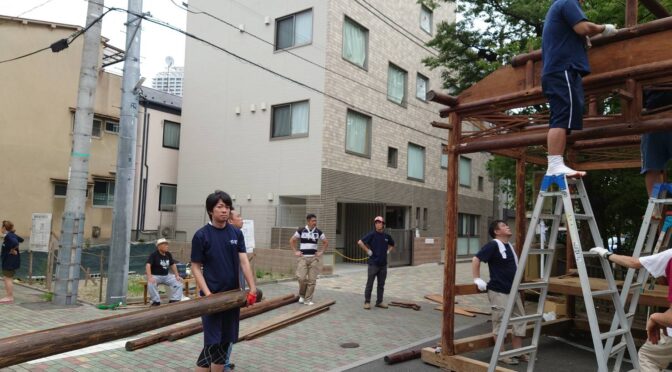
(156, 269)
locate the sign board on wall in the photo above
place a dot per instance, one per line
(40, 232)
(248, 233)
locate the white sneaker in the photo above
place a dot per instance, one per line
(301, 300)
(309, 303)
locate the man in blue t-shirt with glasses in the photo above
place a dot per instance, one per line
(563, 52)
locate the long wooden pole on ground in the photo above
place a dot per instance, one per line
(197, 327)
(40, 344)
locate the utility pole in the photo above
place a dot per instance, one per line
(72, 226)
(117, 282)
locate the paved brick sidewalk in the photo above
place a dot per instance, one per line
(312, 345)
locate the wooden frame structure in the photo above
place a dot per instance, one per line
(489, 117)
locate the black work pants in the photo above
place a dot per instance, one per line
(379, 273)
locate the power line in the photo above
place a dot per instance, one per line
(414, 41)
(28, 11)
(61, 44)
(298, 55)
(159, 22)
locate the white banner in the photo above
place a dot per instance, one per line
(40, 232)
(248, 233)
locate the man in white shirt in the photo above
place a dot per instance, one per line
(656, 353)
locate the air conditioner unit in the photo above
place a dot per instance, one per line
(168, 232)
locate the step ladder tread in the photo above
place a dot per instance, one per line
(525, 318)
(603, 292)
(516, 352)
(541, 251)
(618, 348)
(533, 285)
(618, 332)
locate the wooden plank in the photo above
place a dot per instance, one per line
(458, 311)
(572, 286)
(456, 363)
(435, 298)
(554, 327)
(284, 320)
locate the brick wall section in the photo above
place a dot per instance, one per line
(425, 252)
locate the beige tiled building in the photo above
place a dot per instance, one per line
(333, 121)
(37, 103)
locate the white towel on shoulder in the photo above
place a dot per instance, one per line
(502, 250)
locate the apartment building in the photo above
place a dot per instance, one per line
(37, 104)
(169, 81)
(326, 114)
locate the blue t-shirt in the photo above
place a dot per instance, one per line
(10, 261)
(502, 270)
(217, 250)
(562, 48)
(378, 242)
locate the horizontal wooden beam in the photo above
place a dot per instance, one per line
(602, 165)
(514, 140)
(648, 298)
(439, 125)
(606, 142)
(441, 98)
(456, 363)
(622, 34)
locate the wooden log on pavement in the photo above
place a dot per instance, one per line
(197, 327)
(403, 356)
(284, 320)
(40, 344)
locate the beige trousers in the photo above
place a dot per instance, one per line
(307, 270)
(498, 303)
(655, 358)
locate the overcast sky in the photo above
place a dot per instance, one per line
(156, 44)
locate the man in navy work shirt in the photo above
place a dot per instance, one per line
(377, 245)
(217, 253)
(502, 263)
(565, 62)
(309, 257)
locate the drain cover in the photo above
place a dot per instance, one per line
(349, 345)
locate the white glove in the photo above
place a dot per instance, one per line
(482, 286)
(609, 30)
(602, 252)
(369, 252)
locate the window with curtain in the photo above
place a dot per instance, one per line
(465, 171)
(290, 120)
(426, 19)
(355, 42)
(171, 134)
(294, 30)
(167, 197)
(358, 134)
(468, 234)
(396, 84)
(103, 193)
(444, 159)
(421, 87)
(416, 162)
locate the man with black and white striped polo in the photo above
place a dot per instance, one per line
(309, 257)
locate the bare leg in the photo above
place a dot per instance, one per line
(652, 177)
(9, 288)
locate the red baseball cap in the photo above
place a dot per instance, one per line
(379, 218)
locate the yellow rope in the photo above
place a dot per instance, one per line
(352, 259)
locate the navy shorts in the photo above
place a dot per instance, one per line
(656, 150)
(564, 91)
(222, 327)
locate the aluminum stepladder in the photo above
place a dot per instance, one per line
(564, 205)
(646, 244)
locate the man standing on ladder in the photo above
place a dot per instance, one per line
(565, 62)
(502, 264)
(656, 353)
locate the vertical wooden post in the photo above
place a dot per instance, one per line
(529, 74)
(521, 220)
(450, 226)
(630, 13)
(592, 105)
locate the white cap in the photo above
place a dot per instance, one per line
(161, 241)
